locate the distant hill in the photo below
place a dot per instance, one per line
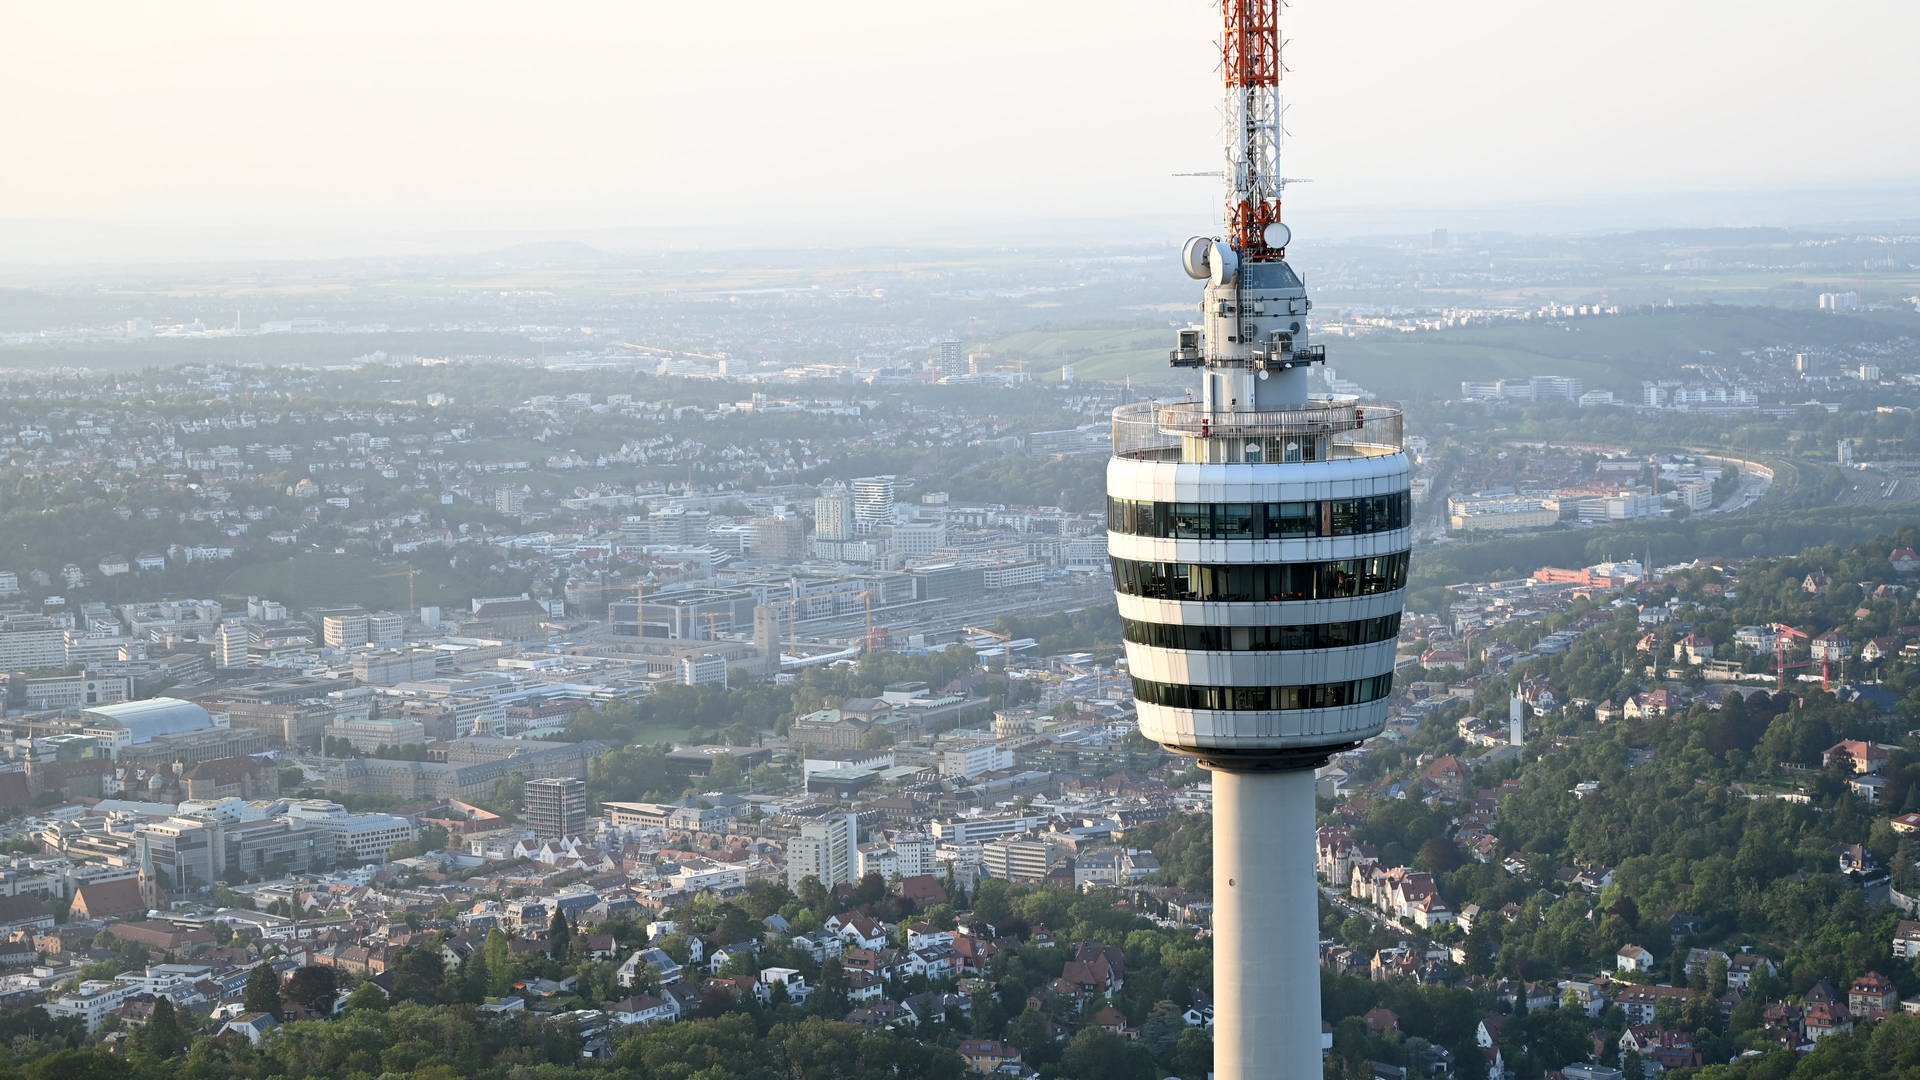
(1609, 353)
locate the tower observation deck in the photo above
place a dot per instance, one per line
(1259, 537)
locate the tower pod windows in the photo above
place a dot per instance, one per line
(1263, 698)
(1260, 521)
(1207, 638)
(1329, 580)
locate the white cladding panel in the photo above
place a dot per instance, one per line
(1342, 478)
(1209, 729)
(1303, 667)
(1308, 549)
(1259, 613)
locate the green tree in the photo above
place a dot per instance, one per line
(559, 938)
(367, 998)
(88, 1064)
(163, 1036)
(1193, 1054)
(1160, 1032)
(474, 981)
(499, 958)
(1097, 1052)
(314, 988)
(992, 901)
(726, 1047)
(989, 1019)
(419, 974)
(1031, 1031)
(263, 990)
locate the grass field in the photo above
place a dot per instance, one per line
(1613, 353)
(1110, 355)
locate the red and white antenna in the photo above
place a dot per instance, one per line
(1250, 64)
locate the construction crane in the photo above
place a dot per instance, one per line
(870, 643)
(1784, 638)
(411, 572)
(1006, 653)
(640, 607)
(1830, 648)
(713, 624)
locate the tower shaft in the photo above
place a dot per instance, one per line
(1266, 995)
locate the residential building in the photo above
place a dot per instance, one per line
(872, 504)
(826, 849)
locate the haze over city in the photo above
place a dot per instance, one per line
(242, 129)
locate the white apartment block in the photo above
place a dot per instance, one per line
(825, 849)
(976, 760)
(956, 832)
(904, 855)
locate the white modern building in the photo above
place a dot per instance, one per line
(363, 838)
(872, 504)
(825, 849)
(901, 855)
(231, 643)
(960, 831)
(976, 760)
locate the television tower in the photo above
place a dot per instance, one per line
(1259, 541)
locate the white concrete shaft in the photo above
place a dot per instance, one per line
(1266, 927)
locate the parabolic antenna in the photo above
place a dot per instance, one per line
(1193, 257)
(1223, 265)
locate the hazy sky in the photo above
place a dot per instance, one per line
(642, 113)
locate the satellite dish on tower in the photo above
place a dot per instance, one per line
(1193, 257)
(1277, 236)
(1222, 263)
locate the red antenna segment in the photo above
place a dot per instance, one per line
(1250, 62)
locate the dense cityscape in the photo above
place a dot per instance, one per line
(537, 549)
(633, 706)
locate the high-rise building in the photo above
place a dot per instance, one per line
(833, 514)
(1259, 539)
(952, 361)
(827, 849)
(872, 504)
(231, 643)
(556, 807)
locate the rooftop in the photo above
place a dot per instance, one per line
(153, 717)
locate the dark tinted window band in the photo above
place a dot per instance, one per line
(1262, 638)
(1333, 579)
(1263, 698)
(1260, 521)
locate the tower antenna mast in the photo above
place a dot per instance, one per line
(1250, 64)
